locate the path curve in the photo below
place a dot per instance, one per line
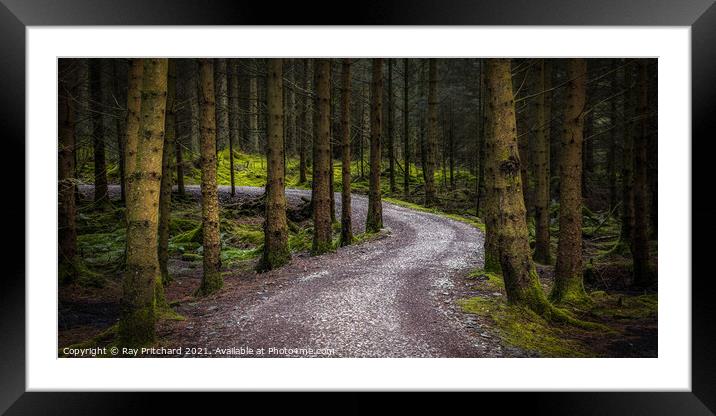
(379, 299)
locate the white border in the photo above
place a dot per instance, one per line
(671, 371)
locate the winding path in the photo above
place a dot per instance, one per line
(379, 299)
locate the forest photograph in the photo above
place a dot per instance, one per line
(357, 207)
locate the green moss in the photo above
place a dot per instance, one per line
(194, 235)
(77, 271)
(623, 306)
(179, 225)
(489, 280)
(232, 256)
(318, 249)
(521, 327)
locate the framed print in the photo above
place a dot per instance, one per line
(466, 198)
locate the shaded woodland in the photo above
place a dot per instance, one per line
(553, 160)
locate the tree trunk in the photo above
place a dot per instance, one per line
(346, 223)
(292, 129)
(568, 284)
(406, 135)
(222, 104)
(276, 252)
(165, 197)
(541, 164)
(481, 148)
(211, 280)
(391, 132)
(307, 121)
(233, 117)
(374, 222)
(505, 192)
(254, 111)
(431, 144)
(66, 226)
(142, 281)
(640, 245)
(322, 234)
(133, 124)
(194, 99)
(100, 164)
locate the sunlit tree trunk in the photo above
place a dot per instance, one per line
(133, 123)
(520, 276)
(142, 280)
(568, 283)
(374, 222)
(346, 223)
(322, 231)
(211, 280)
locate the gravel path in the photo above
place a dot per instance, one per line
(384, 298)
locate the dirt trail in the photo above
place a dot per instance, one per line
(385, 298)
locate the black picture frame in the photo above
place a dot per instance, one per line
(700, 15)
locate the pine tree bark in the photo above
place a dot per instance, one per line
(222, 104)
(640, 245)
(66, 225)
(391, 132)
(292, 133)
(541, 164)
(98, 140)
(505, 192)
(322, 230)
(133, 123)
(307, 121)
(165, 197)
(431, 144)
(374, 222)
(211, 280)
(254, 111)
(276, 252)
(194, 105)
(346, 221)
(568, 284)
(406, 135)
(142, 280)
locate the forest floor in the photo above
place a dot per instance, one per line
(414, 290)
